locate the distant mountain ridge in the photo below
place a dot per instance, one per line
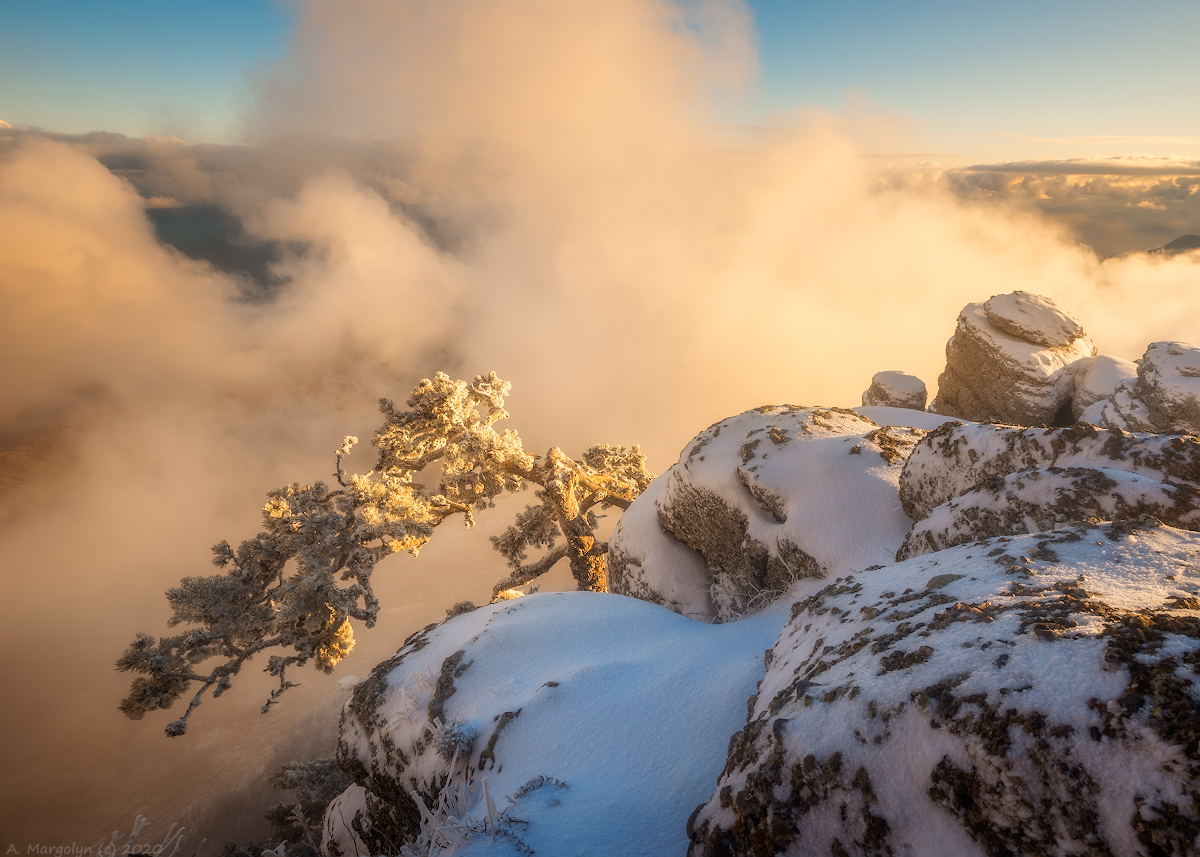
(1182, 244)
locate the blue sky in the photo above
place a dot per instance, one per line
(1025, 79)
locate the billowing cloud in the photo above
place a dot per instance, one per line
(536, 188)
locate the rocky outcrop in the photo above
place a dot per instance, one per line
(895, 390)
(765, 498)
(1037, 695)
(1163, 396)
(1006, 359)
(955, 458)
(1121, 411)
(1032, 501)
(1169, 383)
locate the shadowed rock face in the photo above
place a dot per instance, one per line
(1033, 501)
(977, 702)
(1006, 359)
(896, 390)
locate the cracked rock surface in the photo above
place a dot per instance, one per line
(1033, 695)
(1006, 361)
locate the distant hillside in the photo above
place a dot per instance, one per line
(1182, 244)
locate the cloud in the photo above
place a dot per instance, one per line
(1116, 205)
(538, 188)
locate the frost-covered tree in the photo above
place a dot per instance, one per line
(296, 586)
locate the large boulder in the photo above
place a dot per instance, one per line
(1037, 695)
(766, 498)
(955, 458)
(1163, 396)
(1006, 361)
(601, 720)
(1169, 383)
(1032, 501)
(893, 389)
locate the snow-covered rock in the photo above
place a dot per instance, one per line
(1032, 501)
(1006, 358)
(902, 417)
(1169, 383)
(1035, 695)
(1163, 395)
(893, 389)
(1097, 378)
(1121, 411)
(606, 717)
(766, 498)
(955, 458)
(647, 562)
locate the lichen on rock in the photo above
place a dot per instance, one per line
(977, 702)
(955, 458)
(1031, 501)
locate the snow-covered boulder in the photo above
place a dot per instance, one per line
(1032, 501)
(893, 389)
(1006, 358)
(1169, 383)
(765, 498)
(1035, 695)
(1121, 411)
(1163, 395)
(954, 458)
(647, 562)
(1097, 378)
(604, 718)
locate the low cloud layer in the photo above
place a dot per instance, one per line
(537, 189)
(1115, 205)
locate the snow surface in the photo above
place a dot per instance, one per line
(1033, 318)
(637, 725)
(1098, 378)
(904, 417)
(954, 460)
(1032, 358)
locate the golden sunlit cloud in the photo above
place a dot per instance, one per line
(536, 189)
